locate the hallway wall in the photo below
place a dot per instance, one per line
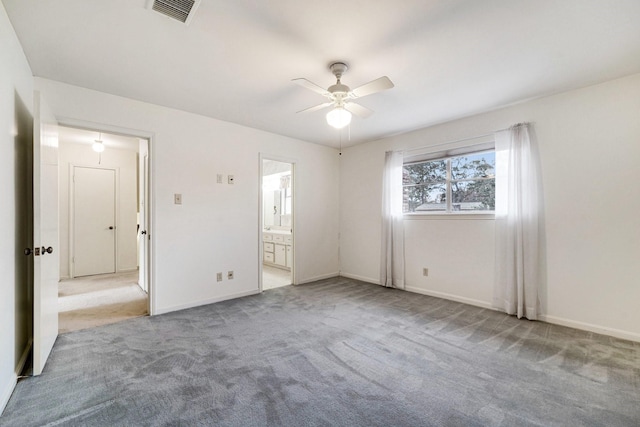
(126, 163)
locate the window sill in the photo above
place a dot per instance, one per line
(449, 216)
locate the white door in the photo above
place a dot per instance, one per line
(46, 266)
(143, 222)
(94, 225)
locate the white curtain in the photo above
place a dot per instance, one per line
(392, 253)
(517, 223)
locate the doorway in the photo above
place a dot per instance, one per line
(277, 232)
(104, 224)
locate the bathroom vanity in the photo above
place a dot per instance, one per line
(277, 248)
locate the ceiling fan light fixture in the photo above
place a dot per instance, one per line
(338, 117)
(98, 146)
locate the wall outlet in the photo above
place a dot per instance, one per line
(219, 178)
(177, 199)
(425, 271)
(230, 275)
(230, 179)
(219, 277)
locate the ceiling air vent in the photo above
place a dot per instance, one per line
(181, 10)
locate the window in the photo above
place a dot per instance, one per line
(456, 183)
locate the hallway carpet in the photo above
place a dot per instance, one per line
(333, 353)
(87, 302)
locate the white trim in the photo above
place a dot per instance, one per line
(103, 127)
(260, 221)
(25, 354)
(8, 389)
(316, 278)
(487, 137)
(486, 145)
(361, 278)
(451, 297)
(150, 211)
(612, 332)
(151, 204)
(413, 216)
(7, 392)
(293, 162)
(206, 302)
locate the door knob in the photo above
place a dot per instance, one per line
(111, 227)
(48, 250)
(143, 232)
(28, 251)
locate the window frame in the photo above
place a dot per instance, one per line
(447, 155)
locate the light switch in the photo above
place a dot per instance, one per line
(177, 199)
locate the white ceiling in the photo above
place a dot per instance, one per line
(236, 59)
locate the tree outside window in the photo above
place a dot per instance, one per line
(454, 184)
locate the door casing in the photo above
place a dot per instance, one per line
(293, 162)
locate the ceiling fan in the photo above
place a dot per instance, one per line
(341, 96)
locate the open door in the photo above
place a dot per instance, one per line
(143, 216)
(46, 266)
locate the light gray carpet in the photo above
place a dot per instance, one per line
(333, 353)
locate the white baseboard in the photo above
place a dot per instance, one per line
(451, 297)
(23, 358)
(205, 302)
(321, 277)
(617, 333)
(361, 278)
(7, 391)
(127, 270)
(13, 380)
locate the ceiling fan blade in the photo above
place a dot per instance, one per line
(312, 86)
(358, 110)
(315, 108)
(377, 85)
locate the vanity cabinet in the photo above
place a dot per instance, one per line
(277, 249)
(280, 255)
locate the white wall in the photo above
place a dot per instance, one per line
(125, 162)
(16, 87)
(589, 143)
(216, 227)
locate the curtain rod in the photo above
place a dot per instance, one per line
(453, 142)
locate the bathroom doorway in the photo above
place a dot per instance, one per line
(276, 232)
